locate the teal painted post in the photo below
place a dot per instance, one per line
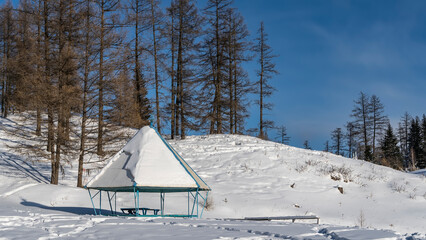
(91, 199)
(193, 204)
(134, 197)
(188, 203)
(109, 201)
(197, 202)
(100, 202)
(204, 206)
(137, 211)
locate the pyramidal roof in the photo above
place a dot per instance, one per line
(149, 164)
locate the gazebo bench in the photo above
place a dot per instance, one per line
(132, 211)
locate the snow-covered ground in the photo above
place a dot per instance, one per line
(249, 178)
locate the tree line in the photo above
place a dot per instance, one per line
(370, 136)
(125, 63)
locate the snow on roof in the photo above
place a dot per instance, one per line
(149, 163)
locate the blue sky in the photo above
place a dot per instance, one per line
(329, 51)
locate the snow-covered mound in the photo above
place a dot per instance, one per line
(249, 177)
(252, 177)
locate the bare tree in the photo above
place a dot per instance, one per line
(379, 121)
(214, 59)
(350, 139)
(188, 29)
(337, 138)
(106, 38)
(265, 72)
(326, 146)
(282, 135)
(7, 32)
(362, 123)
(237, 83)
(156, 16)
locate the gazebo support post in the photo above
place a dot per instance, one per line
(188, 203)
(91, 199)
(109, 200)
(193, 204)
(162, 197)
(197, 201)
(100, 202)
(134, 198)
(205, 202)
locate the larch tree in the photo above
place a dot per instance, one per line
(87, 80)
(282, 135)
(362, 123)
(326, 146)
(238, 86)
(187, 29)
(265, 73)
(214, 61)
(337, 141)
(155, 21)
(172, 38)
(350, 139)
(7, 33)
(106, 22)
(138, 19)
(379, 121)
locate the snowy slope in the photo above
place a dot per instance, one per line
(245, 172)
(249, 178)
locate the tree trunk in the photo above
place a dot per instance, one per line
(101, 85)
(173, 93)
(180, 75)
(261, 133)
(154, 39)
(84, 103)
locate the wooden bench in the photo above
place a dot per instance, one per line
(292, 218)
(132, 211)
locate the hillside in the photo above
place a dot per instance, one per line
(249, 178)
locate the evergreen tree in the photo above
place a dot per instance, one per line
(306, 145)
(422, 163)
(415, 144)
(391, 155)
(403, 134)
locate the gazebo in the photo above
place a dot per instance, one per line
(147, 163)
